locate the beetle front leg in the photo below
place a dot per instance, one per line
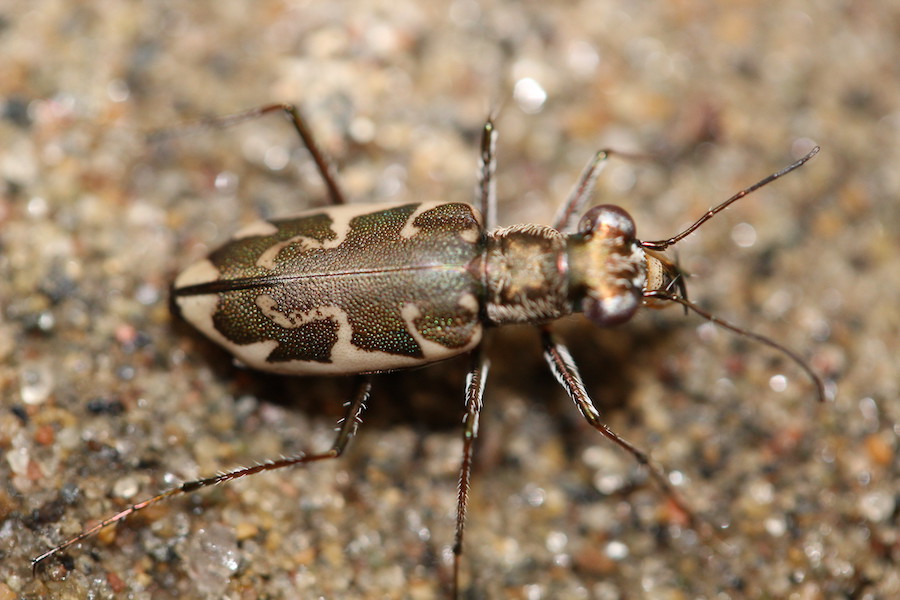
(323, 165)
(566, 373)
(474, 401)
(570, 210)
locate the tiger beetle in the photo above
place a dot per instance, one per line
(367, 289)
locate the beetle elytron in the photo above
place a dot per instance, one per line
(363, 289)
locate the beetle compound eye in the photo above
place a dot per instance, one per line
(608, 221)
(612, 309)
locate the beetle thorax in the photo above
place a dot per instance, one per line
(525, 275)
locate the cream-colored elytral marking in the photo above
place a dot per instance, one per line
(255, 229)
(342, 215)
(431, 350)
(266, 260)
(199, 309)
(202, 271)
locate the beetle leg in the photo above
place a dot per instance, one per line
(474, 395)
(571, 209)
(346, 430)
(322, 162)
(566, 373)
(486, 191)
(293, 114)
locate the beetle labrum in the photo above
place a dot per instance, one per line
(363, 289)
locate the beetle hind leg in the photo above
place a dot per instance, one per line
(323, 164)
(346, 430)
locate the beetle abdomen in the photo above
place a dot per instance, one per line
(344, 289)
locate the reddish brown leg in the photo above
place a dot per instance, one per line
(293, 114)
(486, 192)
(474, 396)
(565, 371)
(347, 429)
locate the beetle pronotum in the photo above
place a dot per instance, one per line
(364, 289)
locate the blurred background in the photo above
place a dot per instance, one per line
(106, 398)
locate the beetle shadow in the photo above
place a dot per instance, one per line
(432, 398)
(427, 398)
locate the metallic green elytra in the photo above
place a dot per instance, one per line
(347, 289)
(361, 289)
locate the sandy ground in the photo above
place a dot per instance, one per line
(107, 398)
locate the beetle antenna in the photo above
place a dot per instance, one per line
(663, 244)
(817, 381)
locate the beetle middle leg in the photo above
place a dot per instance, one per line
(486, 198)
(475, 381)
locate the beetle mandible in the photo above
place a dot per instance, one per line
(365, 289)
